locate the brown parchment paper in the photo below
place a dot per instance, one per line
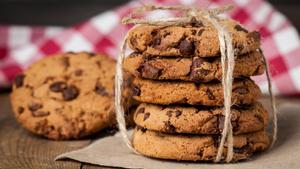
(111, 151)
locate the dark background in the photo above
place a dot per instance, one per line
(69, 12)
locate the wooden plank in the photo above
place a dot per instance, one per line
(21, 149)
(90, 166)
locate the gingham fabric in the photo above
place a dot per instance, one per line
(104, 33)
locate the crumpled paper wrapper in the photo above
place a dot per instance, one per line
(111, 151)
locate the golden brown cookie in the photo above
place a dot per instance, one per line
(196, 40)
(195, 147)
(200, 120)
(195, 69)
(245, 91)
(66, 96)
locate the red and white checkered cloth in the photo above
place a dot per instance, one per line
(21, 46)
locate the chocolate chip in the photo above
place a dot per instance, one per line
(169, 127)
(178, 113)
(193, 32)
(150, 71)
(99, 89)
(169, 113)
(200, 152)
(40, 113)
(156, 41)
(235, 125)
(195, 23)
(210, 94)
(203, 72)
(136, 91)
(254, 35)
(19, 80)
(241, 90)
(154, 32)
(197, 73)
(240, 47)
(133, 41)
(70, 93)
(240, 28)
(200, 32)
(221, 120)
(242, 149)
(146, 116)
(78, 72)
(186, 48)
(35, 106)
(57, 86)
(140, 110)
(141, 129)
(20, 110)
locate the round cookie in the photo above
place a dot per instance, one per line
(192, 40)
(244, 91)
(195, 147)
(66, 96)
(200, 120)
(195, 69)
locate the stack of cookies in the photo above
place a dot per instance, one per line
(178, 73)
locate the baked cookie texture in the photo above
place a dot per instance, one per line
(66, 96)
(200, 120)
(192, 40)
(195, 147)
(194, 69)
(178, 81)
(245, 91)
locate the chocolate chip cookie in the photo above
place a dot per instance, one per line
(200, 120)
(191, 40)
(195, 147)
(245, 91)
(66, 96)
(195, 69)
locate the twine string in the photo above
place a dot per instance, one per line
(227, 61)
(273, 103)
(118, 96)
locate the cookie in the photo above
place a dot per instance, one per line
(188, 41)
(195, 147)
(66, 96)
(195, 69)
(245, 91)
(200, 120)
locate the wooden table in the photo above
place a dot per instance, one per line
(20, 149)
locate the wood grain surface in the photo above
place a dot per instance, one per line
(20, 149)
